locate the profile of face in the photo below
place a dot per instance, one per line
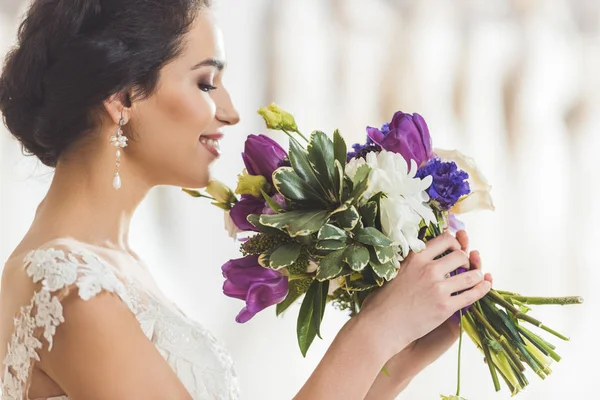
(175, 132)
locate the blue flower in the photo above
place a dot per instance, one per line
(449, 183)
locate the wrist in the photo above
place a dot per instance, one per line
(384, 343)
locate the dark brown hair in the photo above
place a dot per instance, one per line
(71, 55)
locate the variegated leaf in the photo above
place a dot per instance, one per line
(331, 265)
(285, 255)
(356, 256)
(386, 271)
(373, 237)
(331, 232)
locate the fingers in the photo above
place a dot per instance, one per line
(451, 262)
(440, 245)
(475, 259)
(463, 281)
(463, 239)
(488, 277)
(470, 296)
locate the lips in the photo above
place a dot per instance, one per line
(211, 143)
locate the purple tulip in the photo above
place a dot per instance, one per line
(259, 287)
(406, 134)
(262, 156)
(246, 206)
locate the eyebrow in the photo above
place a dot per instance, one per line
(210, 62)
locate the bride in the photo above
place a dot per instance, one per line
(121, 96)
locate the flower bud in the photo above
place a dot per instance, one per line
(251, 184)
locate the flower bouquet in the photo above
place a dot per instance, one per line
(334, 226)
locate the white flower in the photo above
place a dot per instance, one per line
(480, 197)
(406, 201)
(230, 226)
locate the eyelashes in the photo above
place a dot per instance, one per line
(206, 88)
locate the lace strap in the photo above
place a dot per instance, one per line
(56, 274)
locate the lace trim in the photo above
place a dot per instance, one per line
(57, 271)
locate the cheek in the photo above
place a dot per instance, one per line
(188, 111)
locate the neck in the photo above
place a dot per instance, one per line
(82, 203)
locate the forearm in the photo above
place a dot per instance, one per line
(350, 366)
(388, 386)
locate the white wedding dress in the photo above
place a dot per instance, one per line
(200, 362)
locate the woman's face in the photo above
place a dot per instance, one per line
(177, 129)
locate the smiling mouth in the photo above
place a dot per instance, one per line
(211, 143)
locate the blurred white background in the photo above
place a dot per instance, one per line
(514, 83)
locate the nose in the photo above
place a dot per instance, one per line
(226, 112)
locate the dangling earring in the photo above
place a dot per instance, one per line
(120, 142)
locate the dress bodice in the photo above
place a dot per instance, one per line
(199, 360)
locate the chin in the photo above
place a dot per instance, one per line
(197, 182)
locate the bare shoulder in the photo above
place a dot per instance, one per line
(70, 312)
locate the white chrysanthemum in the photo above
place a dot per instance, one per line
(406, 203)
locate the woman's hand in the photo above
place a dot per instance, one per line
(422, 352)
(413, 304)
(421, 298)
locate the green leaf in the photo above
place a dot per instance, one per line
(285, 255)
(372, 237)
(359, 286)
(280, 221)
(386, 271)
(382, 255)
(291, 186)
(321, 157)
(254, 219)
(361, 183)
(307, 224)
(347, 219)
(340, 148)
(331, 232)
(301, 164)
(294, 292)
(331, 265)
(297, 223)
(378, 280)
(311, 314)
(331, 245)
(341, 208)
(264, 261)
(357, 256)
(272, 203)
(368, 213)
(339, 180)
(362, 173)
(305, 240)
(320, 303)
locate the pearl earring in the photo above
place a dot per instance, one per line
(120, 142)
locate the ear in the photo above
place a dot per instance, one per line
(118, 105)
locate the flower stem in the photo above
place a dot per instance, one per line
(510, 352)
(459, 352)
(536, 340)
(293, 138)
(195, 193)
(496, 298)
(561, 301)
(490, 362)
